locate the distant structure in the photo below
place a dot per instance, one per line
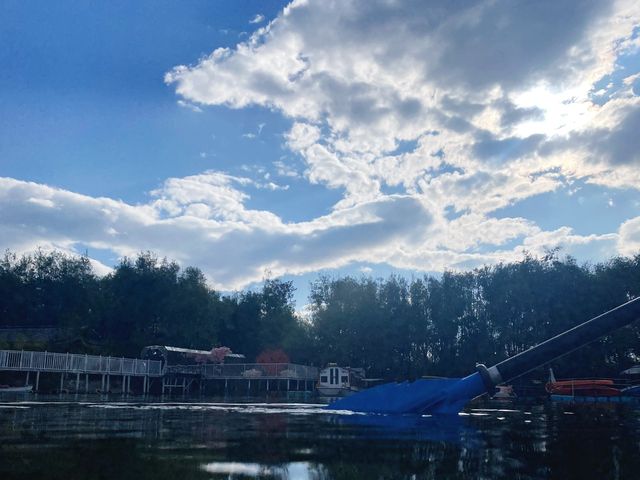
(161, 369)
(178, 356)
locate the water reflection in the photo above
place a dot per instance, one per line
(92, 439)
(443, 428)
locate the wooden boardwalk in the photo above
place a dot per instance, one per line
(180, 378)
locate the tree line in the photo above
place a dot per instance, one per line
(394, 327)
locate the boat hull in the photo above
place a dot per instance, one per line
(631, 391)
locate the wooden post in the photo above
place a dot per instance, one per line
(102, 384)
(86, 383)
(108, 383)
(37, 380)
(61, 381)
(77, 382)
(26, 382)
(124, 384)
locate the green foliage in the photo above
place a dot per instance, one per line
(150, 301)
(257, 321)
(46, 289)
(443, 326)
(144, 301)
(392, 327)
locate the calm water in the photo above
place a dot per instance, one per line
(91, 439)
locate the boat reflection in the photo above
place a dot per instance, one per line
(440, 428)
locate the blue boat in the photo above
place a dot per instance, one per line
(633, 391)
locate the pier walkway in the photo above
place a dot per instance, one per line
(70, 363)
(181, 378)
(253, 376)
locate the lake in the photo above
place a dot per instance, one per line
(89, 438)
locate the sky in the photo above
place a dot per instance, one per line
(259, 139)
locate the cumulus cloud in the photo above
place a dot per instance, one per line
(482, 86)
(629, 239)
(202, 220)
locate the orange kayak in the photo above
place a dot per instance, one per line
(595, 387)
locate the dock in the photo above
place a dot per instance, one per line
(134, 375)
(86, 366)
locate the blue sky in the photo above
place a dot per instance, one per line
(84, 97)
(355, 137)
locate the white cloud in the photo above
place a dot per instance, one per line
(629, 239)
(485, 86)
(285, 170)
(302, 136)
(189, 106)
(252, 135)
(202, 220)
(471, 230)
(258, 18)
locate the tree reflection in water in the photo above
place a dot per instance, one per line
(85, 440)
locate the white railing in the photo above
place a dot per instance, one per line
(75, 363)
(284, 371)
